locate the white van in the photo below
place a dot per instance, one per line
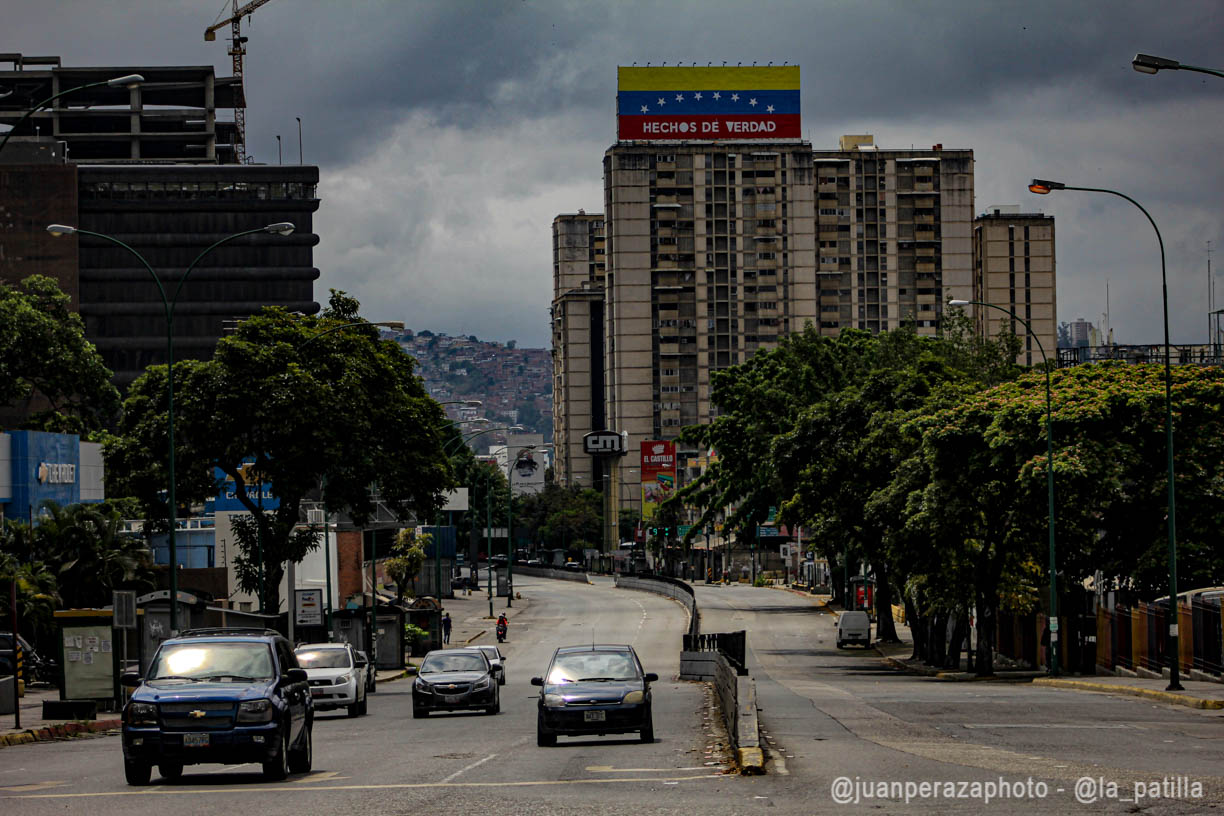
(853, 627)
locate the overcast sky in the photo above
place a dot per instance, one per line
(450, 133)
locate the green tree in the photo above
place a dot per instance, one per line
(407, 558)
(50, 375)
(305, 398)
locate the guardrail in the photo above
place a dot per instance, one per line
(669, 587)
(560, 575)
(731, 645)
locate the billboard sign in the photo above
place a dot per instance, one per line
(724, 104)
(308, 607)
(603, 443)
(658, 472)
(527, 474)
(259, 492)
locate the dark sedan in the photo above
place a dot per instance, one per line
(455, 680)
(597, 689)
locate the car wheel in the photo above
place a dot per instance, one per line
(365, 702)
(354, 709)
(840, 645)
(302, 757)
(373, 683)
(170, 770)
(137, 773)
(419, 713)
(647, 732)
(277, 768)
(544, 737)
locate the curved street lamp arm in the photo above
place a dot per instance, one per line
(315, 337)
(42, 105)
(1184, 67)
(200, 257)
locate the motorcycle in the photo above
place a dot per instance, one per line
(501, 632)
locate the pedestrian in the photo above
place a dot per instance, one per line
(446, 627)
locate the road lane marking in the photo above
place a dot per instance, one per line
(247, 789)
(1093, 726)
(322, 776)
(610, 769)
(464, 770)
(37, 786)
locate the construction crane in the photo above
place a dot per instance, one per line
(237, 51)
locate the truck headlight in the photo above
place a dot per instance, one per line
(633, 698)
(255, 711)
(142, 714)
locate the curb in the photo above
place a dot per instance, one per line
(473, 637)
(1172, 698)
(402, 674)
(751, 761)
(948, 675)
(60, 731)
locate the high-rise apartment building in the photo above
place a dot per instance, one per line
(894, 232)
(578, 344)
(1014, 268)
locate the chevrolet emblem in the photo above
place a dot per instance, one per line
(195, 715)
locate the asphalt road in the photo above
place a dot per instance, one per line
(827, 714)
(830, 713)
(387, 762)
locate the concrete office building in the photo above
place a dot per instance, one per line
(151, 165)
(895, 233)
(1014, 268)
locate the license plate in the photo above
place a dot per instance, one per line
(452, 698)
(317, 693)
(195, 740)
(593, 716)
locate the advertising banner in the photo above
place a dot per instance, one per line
(658, 470)
(308, 607)
(259, 492)
(726, 104)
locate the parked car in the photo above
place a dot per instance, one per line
(595, 689)
(455, 680)
(575, 566)
(498, 560)
(228, 696)
(371, 682)
(853, 626)
(337, 676)
(498, 661)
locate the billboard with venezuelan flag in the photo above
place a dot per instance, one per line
(725, 104)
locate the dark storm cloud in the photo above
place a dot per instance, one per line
(450, 133)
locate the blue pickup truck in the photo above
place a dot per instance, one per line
(226, 696)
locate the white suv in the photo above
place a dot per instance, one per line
(337, 680)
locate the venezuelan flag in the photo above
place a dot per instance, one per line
(726, 104)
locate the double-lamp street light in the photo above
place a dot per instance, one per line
(280, 228)
(1044, 187)
(1049, 475)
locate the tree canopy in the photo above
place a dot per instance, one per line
(50, 375)
(290, 401)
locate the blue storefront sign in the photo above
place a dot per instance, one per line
(43, 467)
(260, 493)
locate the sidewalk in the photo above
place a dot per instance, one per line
(35, 729)
(1195, 694)
(470, 623)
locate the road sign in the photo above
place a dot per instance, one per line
(123, 602)
(682, 530)
(766, 532)
(603, 443)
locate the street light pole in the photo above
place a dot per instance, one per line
(510, 522)
(280, 228)
(1049, 474)
(129, 80)
(1147, 64)
(1043, 187)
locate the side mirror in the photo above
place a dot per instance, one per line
(129, 679)
(537, 681)
(296, 676)
(651, 677)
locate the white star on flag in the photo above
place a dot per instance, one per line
(679, 97)
(645, 109)
(734, 97)
(662, 101)
(752, 102)
(717, 95)
(697, 96)
(769, 109)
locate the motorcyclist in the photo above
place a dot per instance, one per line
(503, 626)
